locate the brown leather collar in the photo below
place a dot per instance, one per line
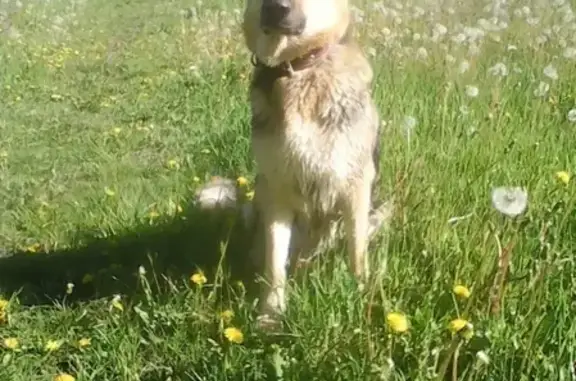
(288, 68)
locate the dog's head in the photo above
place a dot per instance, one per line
(282, 30)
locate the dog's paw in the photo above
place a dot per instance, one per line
(269, 323)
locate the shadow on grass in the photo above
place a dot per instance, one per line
(170, 251)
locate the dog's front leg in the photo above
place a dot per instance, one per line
(357, 224)
(277, 218)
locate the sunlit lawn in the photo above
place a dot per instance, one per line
(113, 113)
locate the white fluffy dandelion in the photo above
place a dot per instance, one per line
(482, 357)
(463, 67)
(409, 124)
(472, 91)
(421, 53)
(571, 115)
(510, 201)
(498, 70)
(408, 127)
(569, 53)
(551, 72)
(542, 89)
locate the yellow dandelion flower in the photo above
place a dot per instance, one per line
(462, 327)
(116, 131)
(250, 195)
(34, 248)
(198, 278)
(153, 214)
(116, 303)
(563, 177)
(234, 335)
(226, 316)
(397, 322)
(87, 278)
(11, 343)
(64, 377)
(3, 304)
(84, 342)
(196, 179)
(173, 164)
(176, 208)
(52, 345)
(461, 291)
(3, 317)
(109, 192)
(242, 181)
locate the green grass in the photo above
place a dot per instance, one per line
(112, 114)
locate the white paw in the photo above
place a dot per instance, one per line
(268, 323)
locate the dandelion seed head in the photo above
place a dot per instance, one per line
(551, 72)
(409, 124)
(510, 201)
(532, 21)
(483, 357)
(498, 70)
(569, 53)
(421, 53)
(542, 89)
(459, 39)
(472, 91)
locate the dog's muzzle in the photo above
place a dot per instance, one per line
(281, 16)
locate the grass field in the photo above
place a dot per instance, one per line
(113, 112)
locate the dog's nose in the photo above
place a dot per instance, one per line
(274, 11)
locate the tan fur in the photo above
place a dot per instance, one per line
(314, 135)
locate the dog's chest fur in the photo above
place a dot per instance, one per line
(313, 131)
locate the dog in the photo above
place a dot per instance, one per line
(315, 133)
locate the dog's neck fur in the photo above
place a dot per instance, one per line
(288, 68)
(304, 61)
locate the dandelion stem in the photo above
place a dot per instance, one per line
(454, 345)
(455, 362)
